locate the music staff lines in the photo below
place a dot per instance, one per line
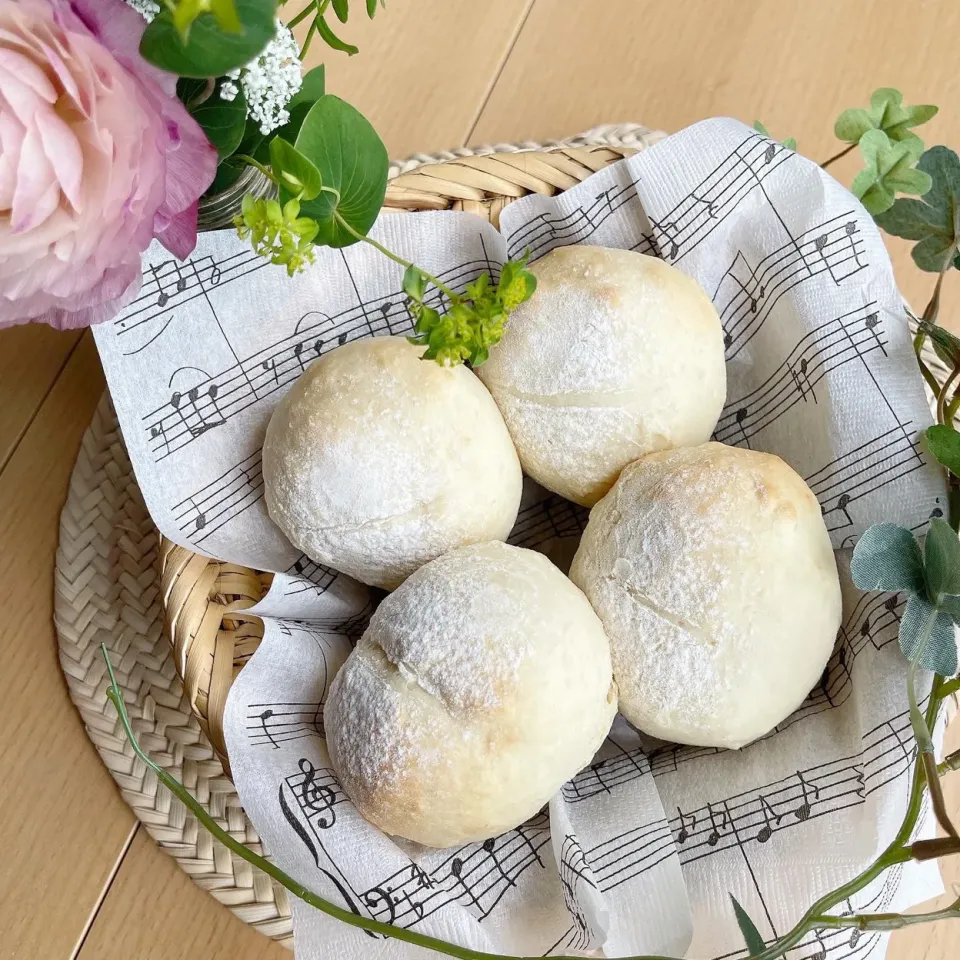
(695, 217)
(605, 774)
(182, 279)
(755, 290)
(318, 576)
(547, 230)
(221, 500)
(211, 400)
(817, 353)
(270, 724)
(575, 872)
(550, 518)
(864, 470)
(476, 876)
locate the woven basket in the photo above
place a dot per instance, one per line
(204, 600)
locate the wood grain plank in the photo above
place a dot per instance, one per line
(795, 66)
(154, 911)
(31, 357)
(64, 823)
(424, 68)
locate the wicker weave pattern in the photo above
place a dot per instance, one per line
(107, 588)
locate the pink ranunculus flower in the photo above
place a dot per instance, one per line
(97, 157)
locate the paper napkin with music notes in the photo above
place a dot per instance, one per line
(639, 852)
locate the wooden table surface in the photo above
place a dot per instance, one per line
(77, 879)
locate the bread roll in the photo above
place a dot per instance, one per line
(481, 685)
(713, 574)
(377, 461)
(616, 355)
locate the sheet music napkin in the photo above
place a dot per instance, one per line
(641, 850)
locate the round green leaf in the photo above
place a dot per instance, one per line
(209, 51)
(887, 558)
(940, 652)
(352, 159)
(311, 89)
(223, 121)
(944, 443)
(297, 174)
(941, 560)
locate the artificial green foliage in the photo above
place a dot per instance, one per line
(887, 558)
(223, 121)
(278, 232)
(790, 143)
(474, 321)
(946, 345)
(209, 50)
(890, 169)
(886, 113)
(353, 163)
(944, 443)
(935, 220)
(751, 935)
(941, 560)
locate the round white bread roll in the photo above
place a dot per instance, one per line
(377, 461)
(615, 356)
(713, 574)
(482, 684)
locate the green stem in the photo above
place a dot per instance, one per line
(311, 32)
(302, 15)
(266, 171)
(951, 412)
(891, 921)
(451, 294)
(920, 730)
(932, 310)
(826, 163)
(918, 341)
(815, 918)
(942, 416)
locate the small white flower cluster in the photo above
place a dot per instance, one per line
(269, 82)
(147, 9)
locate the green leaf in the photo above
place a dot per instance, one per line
(371, 8)
(413, 283)
(944, 443)
(945, 343)
(887, 558)
(934, 220)
(751, 935)
(225, 13)
(210, 51)
(886, 113)
(940, 652)
(295, 172)
(223, 121)
(941, 560)
(340, 8)
(351, 159)
(311, 89)
(852, 124)
(889, 168)
(790, 143)
(332, 40)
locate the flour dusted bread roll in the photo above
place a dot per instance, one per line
(377, 461)
(615, 356)
(482, 684)
(713, 574)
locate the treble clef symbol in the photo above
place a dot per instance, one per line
(317, 798)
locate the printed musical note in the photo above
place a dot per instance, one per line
(160, 431)
(684, 833)
(714, 838)
(456, 870)
(596, 768)
(843, 502)
(317, 798)
(200, 518)
(377, 897)
(742, 415)
(800, 377)
(821, 951)
(670, 231)
(803, 811)
(872, 323)
(163, 298)
(709, 204)
(297, 351)
(770, 153)
(342, 339)
(264, 717)
(489, 849)
(769, 817)
(271, 365)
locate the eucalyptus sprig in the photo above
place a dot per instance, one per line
(818, 917)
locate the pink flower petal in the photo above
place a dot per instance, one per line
(28, 73)
(63, 150)
(34, 179)
(179, 233)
